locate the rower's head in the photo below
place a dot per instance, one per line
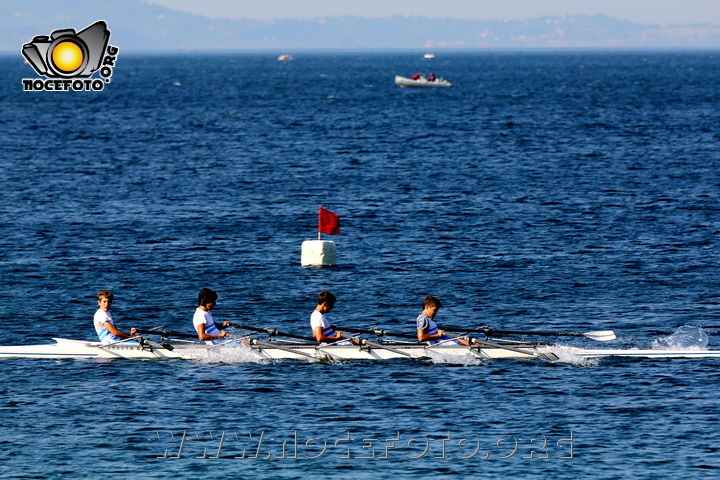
(326, 300)
(207, 298)
(431, 305)
(105, 299)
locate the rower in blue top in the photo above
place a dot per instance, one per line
(427, 329)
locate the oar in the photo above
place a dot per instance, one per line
(362, 341)
(144, 342)
(168, 333)
(166, 346)
(272, 332)
(377, 332)
(255, 341)
(483, 343)
(324, 357)
(499, 345)
(600, 336)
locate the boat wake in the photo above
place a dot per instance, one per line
(437, 356)
(686, 337)
(569, 355)
(224, 354)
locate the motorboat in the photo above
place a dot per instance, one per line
(405, 82)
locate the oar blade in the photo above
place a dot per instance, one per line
(601, 336)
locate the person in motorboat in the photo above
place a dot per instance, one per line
(416, 77)
(322, 331)
(427, 329)
(203, 320)
(431, 78)
(104, 326)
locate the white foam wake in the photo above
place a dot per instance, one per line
(686, 337)
(568, 354)
(224, 354)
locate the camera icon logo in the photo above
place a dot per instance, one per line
(67, 53)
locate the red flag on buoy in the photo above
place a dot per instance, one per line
(328, 222)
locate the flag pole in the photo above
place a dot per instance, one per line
(319, 220)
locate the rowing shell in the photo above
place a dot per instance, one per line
(64, 348)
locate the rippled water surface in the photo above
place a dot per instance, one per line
(563, 191)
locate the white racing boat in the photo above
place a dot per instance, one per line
(421, 82)
(64, 348)
(363, 349)
(271, 350)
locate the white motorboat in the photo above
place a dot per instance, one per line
(286, 58)
(422, 82)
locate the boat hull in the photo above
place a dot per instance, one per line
(64, 348)
(422, 83)
(399, 351)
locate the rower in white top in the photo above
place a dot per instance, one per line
(203, 320)
(104, 326)
(321, 329)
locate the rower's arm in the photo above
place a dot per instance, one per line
(117, 333)
(424, 337)
(204, 336)
(319, 337)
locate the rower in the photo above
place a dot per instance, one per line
(104, 326)
(203, 320)
(321, 329)
(427, 329)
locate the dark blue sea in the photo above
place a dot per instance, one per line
(570, 191)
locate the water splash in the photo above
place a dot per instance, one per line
(686, 337)
(567, 354)
(437, 356)
(225, 354)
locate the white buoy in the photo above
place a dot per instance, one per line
(318, 253)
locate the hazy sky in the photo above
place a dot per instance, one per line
(640, 11)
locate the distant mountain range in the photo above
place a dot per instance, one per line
(138, 26)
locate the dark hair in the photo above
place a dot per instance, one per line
(431, 301)
(206, 296)
(105, 294)
(326, 296)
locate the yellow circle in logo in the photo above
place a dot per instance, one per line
(67, 56)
